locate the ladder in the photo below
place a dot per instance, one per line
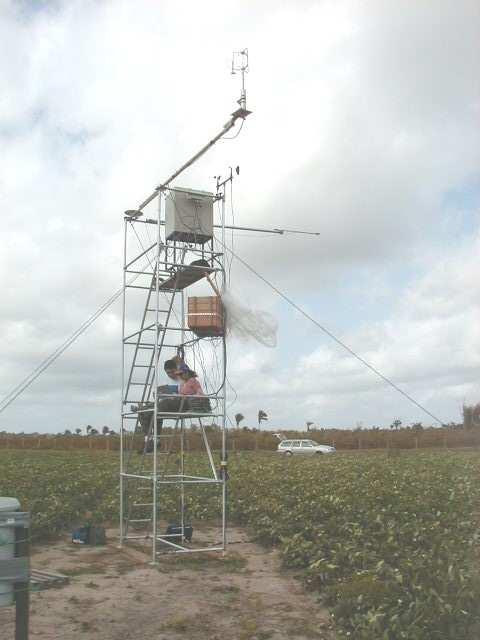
(142, 346)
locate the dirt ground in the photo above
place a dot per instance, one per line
(117, 595)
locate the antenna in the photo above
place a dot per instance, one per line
(240, 64)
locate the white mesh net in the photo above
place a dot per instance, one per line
(246, 323)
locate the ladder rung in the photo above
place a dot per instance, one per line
(141, 520)
(159, 453)
(143, 345)
(137, 286)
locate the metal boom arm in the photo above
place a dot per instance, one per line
(239, 113)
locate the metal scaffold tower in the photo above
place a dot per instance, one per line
(154, 419)
(162, 322)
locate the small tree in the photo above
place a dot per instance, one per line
(396, 424)
(67, 432)
(309, 424)
(78, 431)
(238, 418)
(262, 416)
(105, 430)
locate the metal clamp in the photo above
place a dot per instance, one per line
(15, 570)
(15, 519)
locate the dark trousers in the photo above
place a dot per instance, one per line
(167, 405)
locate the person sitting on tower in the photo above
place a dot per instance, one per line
(172, 369)
(191, 387)
(169, 403)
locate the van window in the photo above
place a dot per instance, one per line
(295, 443)
(285, 443)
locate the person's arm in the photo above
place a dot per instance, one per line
(185, 389)
(191, 388)
(197, 389)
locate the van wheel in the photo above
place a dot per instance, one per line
(288, 453)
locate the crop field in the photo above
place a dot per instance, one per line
(389, 543)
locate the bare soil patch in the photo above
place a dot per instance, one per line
(116, 595)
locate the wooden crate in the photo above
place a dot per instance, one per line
(205, 316)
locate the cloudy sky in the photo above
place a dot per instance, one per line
(365, 127)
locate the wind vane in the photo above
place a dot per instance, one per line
(240, 63)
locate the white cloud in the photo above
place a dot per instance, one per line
(365, 119)
(429, 347)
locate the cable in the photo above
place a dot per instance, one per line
(236, 135)
(28, 380)
(233, 224)
(20, 388)
(234, 391)
(331, 335)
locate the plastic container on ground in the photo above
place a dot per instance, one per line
(7, 549)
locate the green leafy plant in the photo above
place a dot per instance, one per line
(390, 544)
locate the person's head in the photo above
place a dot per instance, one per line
(170, 367)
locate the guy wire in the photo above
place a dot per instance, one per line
(331, 335)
